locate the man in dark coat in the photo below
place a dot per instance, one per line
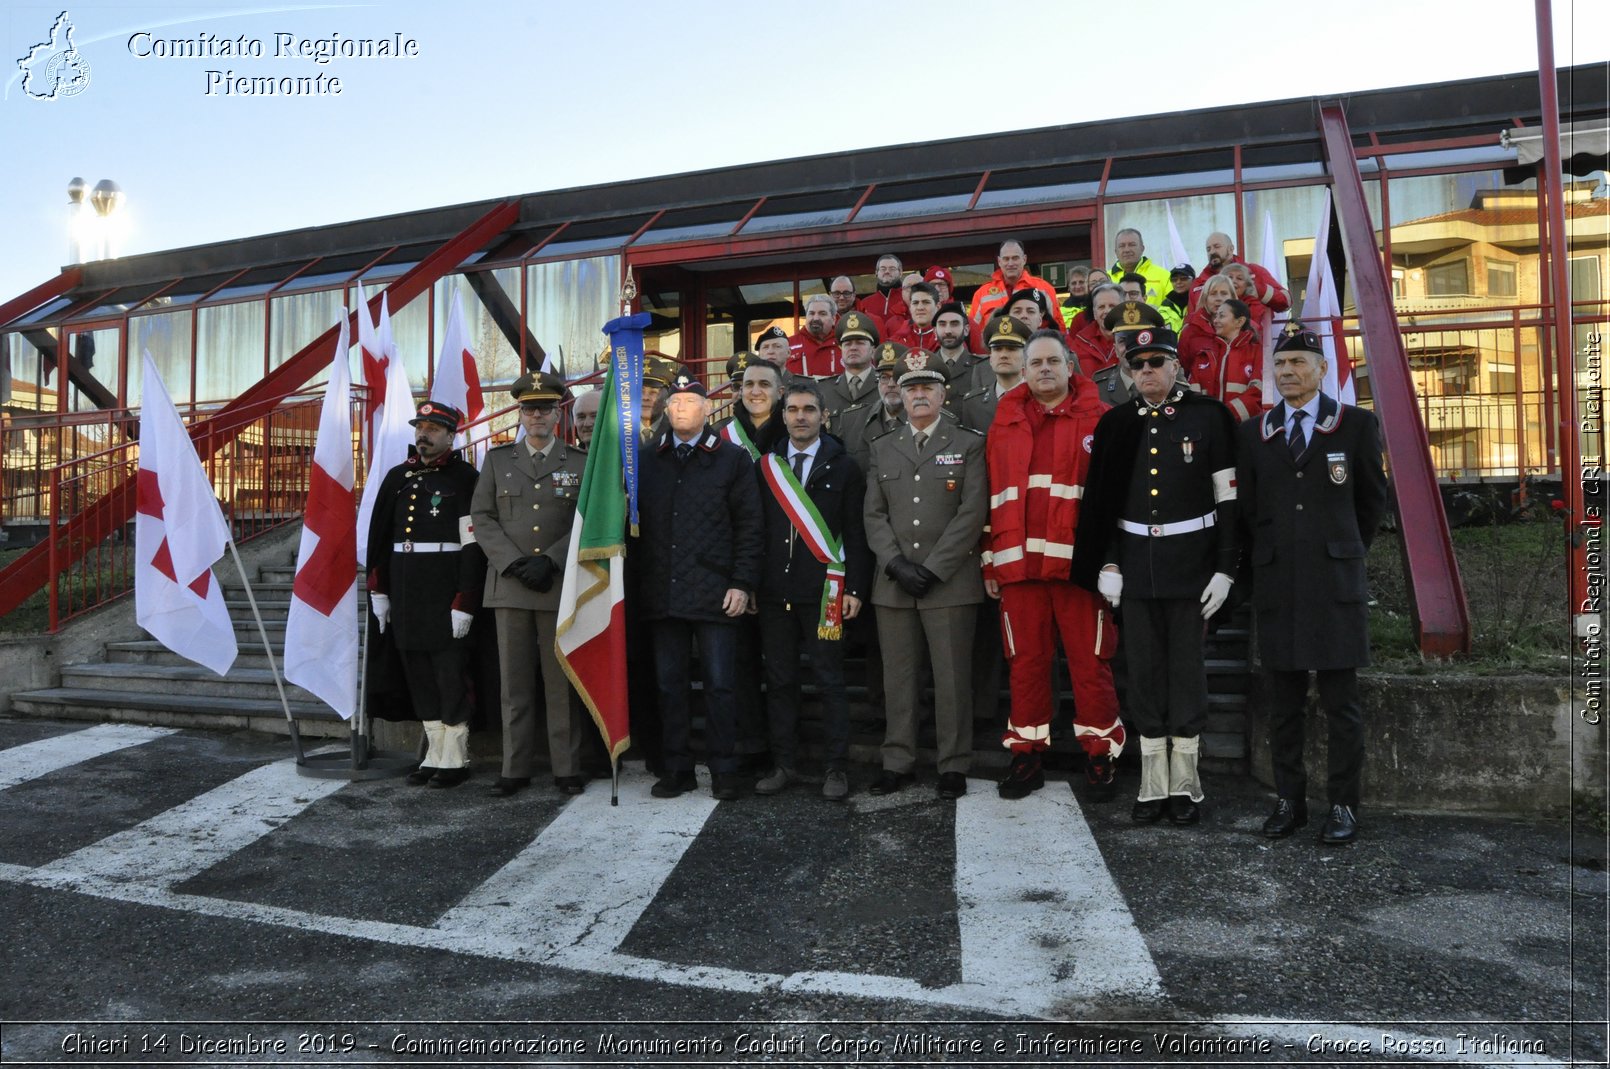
(700, 545)
(1312, 493)
(425, 577)
(1159, 522)
(811, 493)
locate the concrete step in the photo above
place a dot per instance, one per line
(150, 651)
(177, 710)
(189, 679)
(271, 611)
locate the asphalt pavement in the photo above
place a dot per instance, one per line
(184, 897)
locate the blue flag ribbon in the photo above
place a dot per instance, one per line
(626, 358)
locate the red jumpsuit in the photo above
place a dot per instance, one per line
(1038, 461)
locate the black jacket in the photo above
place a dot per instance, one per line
(1312, 521)
(699, 528)
(791, 573)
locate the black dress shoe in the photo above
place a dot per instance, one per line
(1026, 775)
(1287, 818)
(673, 784)
(507, 785)
(420, 776)
(724, 786)
(1181, 810)
(1340, 827)
(570, 784)
(890, 782)
(1101, 778)
(952, 785)
(449, 777)
(1148, 812)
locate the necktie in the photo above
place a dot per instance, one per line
(855, 384)
(922, 441)
(799, 466)
(1297, 440)
(683, 452)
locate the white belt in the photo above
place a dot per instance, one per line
(425, 547)
(1162, 530)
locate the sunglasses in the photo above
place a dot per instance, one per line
(541, 407)
(1147, 361)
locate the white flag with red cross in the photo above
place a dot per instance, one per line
(457, 381)
(179, 533)
(321, 631)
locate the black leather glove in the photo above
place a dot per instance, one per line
(908, 576)
(929, 579)
(538, 573)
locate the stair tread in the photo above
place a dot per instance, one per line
(172, 702)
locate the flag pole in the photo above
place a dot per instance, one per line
(360, 719)
(268, 651)
(628, 295)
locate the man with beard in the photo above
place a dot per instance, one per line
(1131, 259)
(964, 370)
(887, 300)
(1011, 274)
(814, 351)
(1006, 339)
(1092, 346)
(859, 382)
(1158, 532)
(817, 570)
(1266, 289)
(842, 290)
(425, 578)
(918, 332)
(524, 505)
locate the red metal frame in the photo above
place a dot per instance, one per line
(1441, 616)
(1573, 475)
(47, 290)
(39, 565)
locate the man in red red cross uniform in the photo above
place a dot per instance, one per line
(1038, 453)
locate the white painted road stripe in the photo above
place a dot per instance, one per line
(19, 764)
(190, 838)
(1041, 918)
(583, 883)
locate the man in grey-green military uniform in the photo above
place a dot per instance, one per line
(926, 505)
(524, 506)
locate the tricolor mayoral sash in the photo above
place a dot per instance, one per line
(801, 512)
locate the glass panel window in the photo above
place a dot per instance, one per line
(568, 304)
(229, 350)
(1192, 220)
(489, 301)
(1501, 279)
(296, 320)
(30, 357)
(1463, 240)
(166, 336)
(1450, 279)
(96, 369)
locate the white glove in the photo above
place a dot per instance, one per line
(461, 623)
(1111, 584)
(380, 605)
(1218, 589)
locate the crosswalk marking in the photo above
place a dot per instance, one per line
(1038, 910)
(19, 764)
(583, 883)
(177, 844)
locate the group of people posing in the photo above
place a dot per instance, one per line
(952, 486)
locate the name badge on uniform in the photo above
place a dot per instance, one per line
(1337, 462)
(566, 479)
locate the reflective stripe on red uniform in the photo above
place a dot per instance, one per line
(883, 307)
(992, 296)
(1033, 616)
(914, 337)
(1240, 380)
(818, 359)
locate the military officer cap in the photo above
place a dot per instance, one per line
(1301, 341)
(1132, 316)
(858, 325)
(685, 383)
(738, 363)
(437, 413)
(891, 356)
(1029, 293)
(919, 369)
(1153, 340)
(771, 334)
(1005, 331)
(951, 306)
(539, 386)
(659, 369)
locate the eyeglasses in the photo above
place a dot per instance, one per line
(843, 293)
(538, 407)
(1148, 361)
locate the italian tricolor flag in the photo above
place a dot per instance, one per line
(591, 640)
